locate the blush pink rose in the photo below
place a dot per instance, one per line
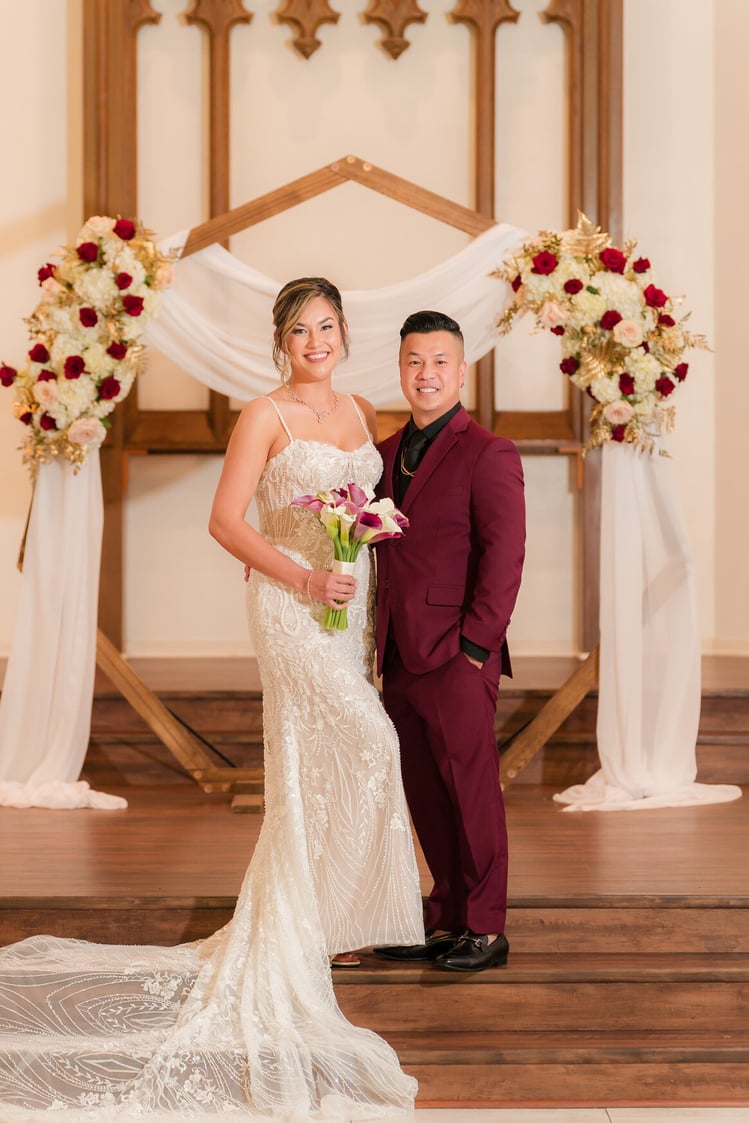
(618, 413)
(552, 315)
(628, 333)
(86, 430)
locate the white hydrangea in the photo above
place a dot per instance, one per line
(621, 294)
(585, 308)
(645, 370)
(77, 395)
(605, 389)
(98, 362)
(97, 287)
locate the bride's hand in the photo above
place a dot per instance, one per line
(333, 589)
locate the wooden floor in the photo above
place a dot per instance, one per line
(628, 979)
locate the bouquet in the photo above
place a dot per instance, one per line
(353, 518)
(85, 335)
(621, 341)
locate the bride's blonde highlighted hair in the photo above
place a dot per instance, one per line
(291, 302)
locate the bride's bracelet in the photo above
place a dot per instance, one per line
(309, 578)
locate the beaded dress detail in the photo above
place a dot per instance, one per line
(245, 1025)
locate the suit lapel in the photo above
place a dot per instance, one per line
(434, 456)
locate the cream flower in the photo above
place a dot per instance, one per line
(628, 333)
(87, 431)
(618, 413)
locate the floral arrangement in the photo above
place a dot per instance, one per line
(621, 341)
(85, 335)
(353, 518)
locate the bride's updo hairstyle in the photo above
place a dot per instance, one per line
(291, 302)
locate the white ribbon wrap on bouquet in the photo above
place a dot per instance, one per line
(45, 707)
(649, 676)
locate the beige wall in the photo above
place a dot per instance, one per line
(731, 540)
(183, 596)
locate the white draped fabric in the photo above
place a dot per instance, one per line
(649, 676)
(215, 322)
(45, 707)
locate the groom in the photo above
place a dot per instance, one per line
(445, 592)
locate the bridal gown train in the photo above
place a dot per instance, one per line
(245, 1025)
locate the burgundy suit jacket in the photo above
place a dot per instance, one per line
(456, 570)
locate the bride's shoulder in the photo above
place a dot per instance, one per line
(369, 413)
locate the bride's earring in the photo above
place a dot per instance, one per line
(286, 371)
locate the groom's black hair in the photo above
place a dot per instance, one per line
(422, 323)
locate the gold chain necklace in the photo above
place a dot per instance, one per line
(320, 414)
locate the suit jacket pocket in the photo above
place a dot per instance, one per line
(451, 595)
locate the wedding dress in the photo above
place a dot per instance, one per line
(245, 1025)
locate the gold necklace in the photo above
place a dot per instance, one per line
(320, 414)
(404, 469)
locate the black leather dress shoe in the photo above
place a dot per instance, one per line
(475, 953)
(414, 953)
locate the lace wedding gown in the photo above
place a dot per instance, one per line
(245, 1025)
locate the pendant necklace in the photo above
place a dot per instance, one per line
(320, 414)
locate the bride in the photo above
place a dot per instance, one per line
(245, 1025)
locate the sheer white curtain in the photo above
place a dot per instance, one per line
(45, 708)
(649, 676)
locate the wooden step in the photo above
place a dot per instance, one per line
(553, 992)
(584, 1069)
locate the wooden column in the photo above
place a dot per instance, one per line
(218, 17)
(484, 17)
(110, 178)
(593, 32)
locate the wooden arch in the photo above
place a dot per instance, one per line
(181, 743)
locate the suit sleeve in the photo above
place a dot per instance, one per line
(498, 525)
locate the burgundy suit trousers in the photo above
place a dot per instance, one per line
(450, 765)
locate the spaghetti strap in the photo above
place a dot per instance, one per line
(360, 415)
(280, 417)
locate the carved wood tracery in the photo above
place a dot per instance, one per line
(306, 16)
(593, 42)
(394, 16)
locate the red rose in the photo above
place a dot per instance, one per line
(7, 375)
(617, 432)
(654, 297)
(124, 229)
(569, 365)
(88, 251)
(47, 376)
(641, 265)
(74, 366)
(123, 280)
(109, 388)
(665, 320)
(47, 421)
(610, 319)
(117, 350)
(558, 330)
(544, 263)
(664, 386)
(626, 383)
(681, 371)
(45, 273)
(613, 259)
(573, 286)
(27, 417)
(39, 353)
(88, 317)
(133, 305)
(645, 346)
(516, 283)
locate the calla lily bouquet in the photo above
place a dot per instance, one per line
(353, 518)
